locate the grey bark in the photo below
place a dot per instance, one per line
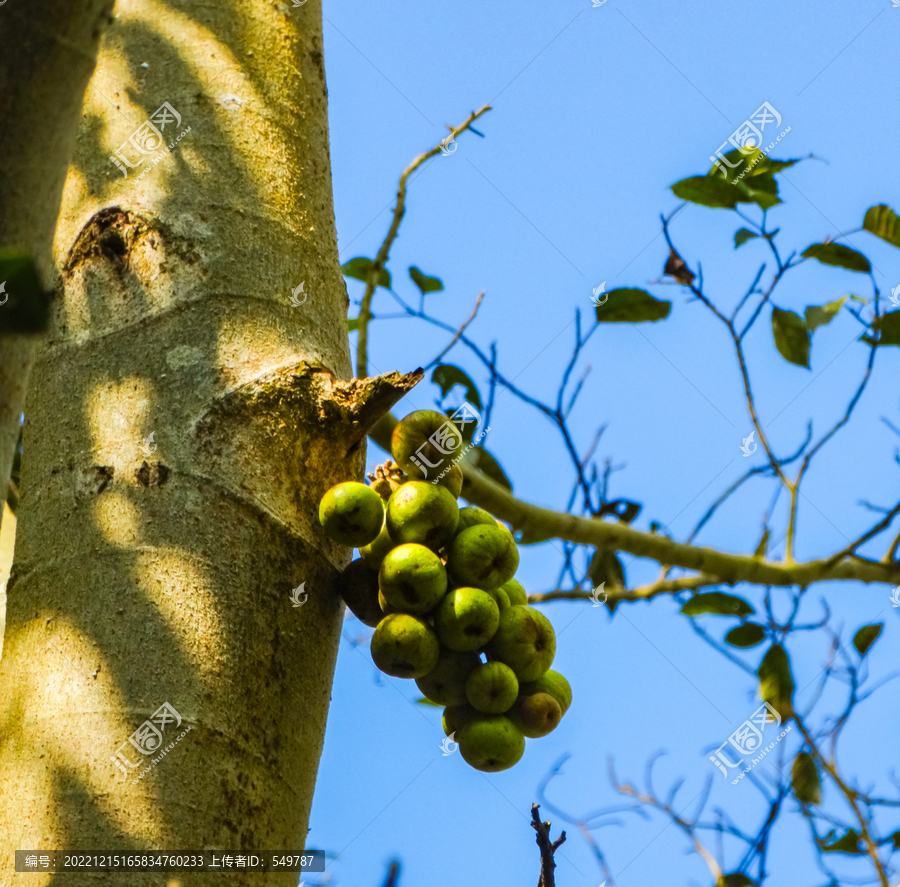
(148, 576)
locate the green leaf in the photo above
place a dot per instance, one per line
(805, 779)
(25, 306)
(866, 636)
(735, 879)
(423, 282)
(753, 164)
(747, 635)
(761, 190)
(839, 255)
(446, 376)
(770, 167)
(848, 843)
(352, 324)
(625, 510)
(896, 839)
(889, 327)
(605, 566)
(718, 603)
(883, 222)
(632, 306)
(819, 316)
(485, 462)
(708, 191)
(791, 336)
(358, 269)
(749, 178)
(742, 235)
(776, 686)
(422, 700)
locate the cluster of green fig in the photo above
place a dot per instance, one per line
(436, 583)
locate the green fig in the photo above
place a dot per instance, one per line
(424, 443)
(452, 480)
(535, 715)
(373, 553)
(456, 717)
(491, 743)
(466, 619)
(525, 641)
(404, 646)
(499, 595)
(352, 514)
(386, 607)
(551, 682)
(423, 513)
(492, 688)
(358, 586)
(446, 682)
(515, 592)
(470, 516)
(412, 578)
(483, 556)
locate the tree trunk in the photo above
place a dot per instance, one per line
(49, 50)
(154, 572)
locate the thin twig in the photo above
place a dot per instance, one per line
(382, 256)
(459, 332)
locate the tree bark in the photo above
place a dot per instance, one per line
(160, 571)
(49, 51)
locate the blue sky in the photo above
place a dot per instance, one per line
(597, 111)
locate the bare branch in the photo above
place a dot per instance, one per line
(460, 331)
(382, 256)
(548, 848)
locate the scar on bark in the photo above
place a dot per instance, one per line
(151, 475)
(271, 405)
(111, 234)
(92, 480)
(358, 404)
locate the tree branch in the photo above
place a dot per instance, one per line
(548, 864)
(459, 332)
(380, 259)
(645, 592)
(541, 524)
